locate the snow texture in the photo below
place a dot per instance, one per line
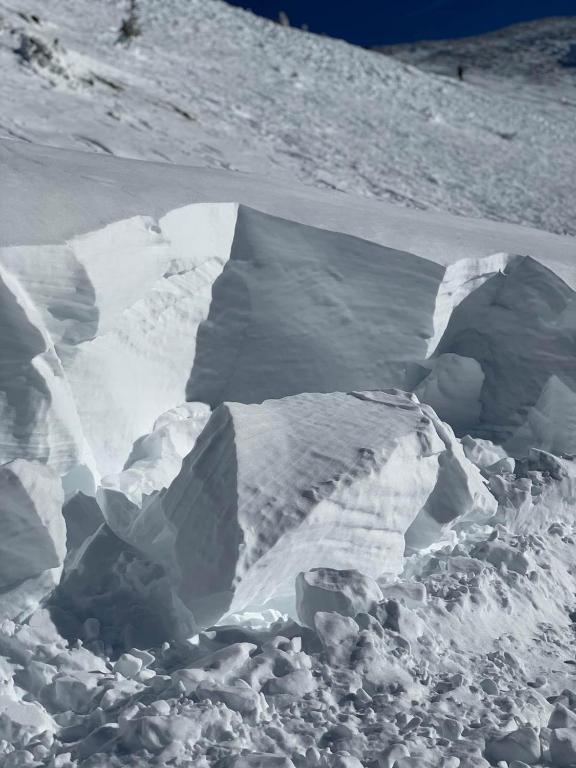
(33, 541)
(211, 85)
(304, 482)
(286, 475)
(178, 518)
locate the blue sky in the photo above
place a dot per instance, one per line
(371, 22)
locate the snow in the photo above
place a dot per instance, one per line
(95, 191)
(211, 85)
(236, 534)
(532, 56)
(237, 305)
(105, 326)
(287, 474)
(33, 543)
(156, 458)
(155, 303)
(329, 591)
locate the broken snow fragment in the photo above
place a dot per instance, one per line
(562, 717)
(332, 481)
(522, 744)
(32, 535)
(563, 747)
(326, 589)
(128, 666)
(338, 635)
(239, 698)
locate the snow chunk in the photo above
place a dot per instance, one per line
(38, 418)
(551, 423)
(128, 666)
(298, 309)
(453, 388)
(33, 535)
(522, 744)
(154, 462)
(563, 747)
(325, 589)
(519, 325)
(331, 481)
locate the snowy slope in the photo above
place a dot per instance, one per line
(536, 55)
(50, 195)
(208, 84)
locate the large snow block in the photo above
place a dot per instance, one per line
(327, 590)
(520, 326)
(32, 535)
(298, 309)
(304, 482)
(98, 335)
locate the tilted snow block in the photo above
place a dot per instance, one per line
(38, 418)
(32, 535)
(310, 481)
(520, 327)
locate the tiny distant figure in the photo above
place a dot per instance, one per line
(460, 72)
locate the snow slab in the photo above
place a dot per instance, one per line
(50, 195)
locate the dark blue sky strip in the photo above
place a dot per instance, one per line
(375, 22)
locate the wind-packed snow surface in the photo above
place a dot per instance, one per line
(287, 477)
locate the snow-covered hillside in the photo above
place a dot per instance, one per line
(209, 84)
(537, 57)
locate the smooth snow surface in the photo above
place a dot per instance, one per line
(534, 56)
(94, 191)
